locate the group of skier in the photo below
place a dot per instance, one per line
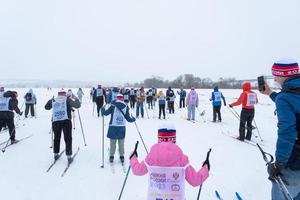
(166, 158)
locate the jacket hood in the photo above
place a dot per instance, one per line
(246, 86)
(30, 91)
(166, 154)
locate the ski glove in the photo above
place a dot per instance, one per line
(274, 170)
(21, 113)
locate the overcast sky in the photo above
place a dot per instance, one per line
(130, 40)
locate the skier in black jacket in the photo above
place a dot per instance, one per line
(8, 104)
(62, 121)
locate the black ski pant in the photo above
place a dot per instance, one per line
(99, 103)
(162, 110)
(182, 103)
(66, 127)
(171, 106)
(217, 112)
(132, 101)
(247, 116)
(31, 107)
(150, 104)
(11, 127)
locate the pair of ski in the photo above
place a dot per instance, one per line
(252, 143)
(113, 170)
(112, 164)
(10, 144)
(69, 164)
(238, 196)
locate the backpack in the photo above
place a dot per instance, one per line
(28, 97)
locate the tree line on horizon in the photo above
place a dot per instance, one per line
(187, 81)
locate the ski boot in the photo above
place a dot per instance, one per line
(111, 159)
(70, 159)
(13, 141)
(56, 156)
(122, 159)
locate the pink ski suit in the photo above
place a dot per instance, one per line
(166, 154)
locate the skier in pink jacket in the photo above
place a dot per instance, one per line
(168, 168)
(192, 102)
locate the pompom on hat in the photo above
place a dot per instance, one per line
(167, 133)
(285, 68)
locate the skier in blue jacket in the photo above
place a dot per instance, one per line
(287, 163)
(119, 112)
(216, 98)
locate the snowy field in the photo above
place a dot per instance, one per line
(235, 166)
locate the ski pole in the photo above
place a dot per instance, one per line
(137, 128)
(146, 110)
(73, 116)
(129, 167)
(81, 128)
(283, 188)
(200, 188)
(35, 111)
(234, 113)
(52, 138)
(93, 108)
(6, 145)
(278, 179)
(102, 166)
(257, 130)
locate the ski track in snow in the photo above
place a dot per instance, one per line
(235, 166)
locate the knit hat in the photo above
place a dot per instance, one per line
(1, 89)
(285, 67)
(62, 93)
(167, 133)
(120, 97)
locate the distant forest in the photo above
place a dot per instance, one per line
(187, 81)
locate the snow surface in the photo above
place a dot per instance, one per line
(235, 166)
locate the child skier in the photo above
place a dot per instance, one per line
(168, 167)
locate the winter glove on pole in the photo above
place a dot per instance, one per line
(134, 153)
(274, 170)
(124, 183)
(206, 162)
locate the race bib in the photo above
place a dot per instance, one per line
(126, 97)
(118, 117)
(4, 104)
(161, 98)
(166, 183)
(99, 92)
(59, 109)
(217, 96)
(251, 99)
(193, 99)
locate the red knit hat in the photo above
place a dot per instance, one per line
(285, 67)
(167, 133)
(120, 97)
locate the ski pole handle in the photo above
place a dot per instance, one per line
(208, 154)
(136, 146)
